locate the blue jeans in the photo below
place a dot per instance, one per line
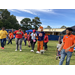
(3, 42)
(0, 40)
(45, 46)
(25, 40)
(63, 54)
(10, 41)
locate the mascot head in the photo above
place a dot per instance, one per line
(40, 29)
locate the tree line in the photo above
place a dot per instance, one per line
(9, 21)
(49, 27)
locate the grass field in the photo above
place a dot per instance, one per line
(8, 56)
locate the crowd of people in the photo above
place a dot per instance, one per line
(64, 46)
(31, 38)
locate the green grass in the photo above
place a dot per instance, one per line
(8, 56)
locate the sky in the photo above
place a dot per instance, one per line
(55, 18)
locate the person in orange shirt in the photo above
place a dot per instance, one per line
(11, 36)
(67, 45)
(25, 38)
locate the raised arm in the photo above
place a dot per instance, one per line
(13, 31)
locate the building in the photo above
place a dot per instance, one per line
(54, 31)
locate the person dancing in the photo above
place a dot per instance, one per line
(18, 38)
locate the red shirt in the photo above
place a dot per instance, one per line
(18, 34)
(46, 39)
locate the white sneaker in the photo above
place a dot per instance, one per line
(16, 50)
(59, 59)
(42, 51)
(20, 50)
(38, 52)
(32, 50)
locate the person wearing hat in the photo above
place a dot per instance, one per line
(33, 39)
(18, 38)
(68, 46)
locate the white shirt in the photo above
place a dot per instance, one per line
(33, 36)
(59, 46)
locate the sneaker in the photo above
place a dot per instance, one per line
(56, 57)
(16, 50)
(59, 59)
(42, 51)
(20, 50)
(38, 52)
(32, 50)
(2, 47)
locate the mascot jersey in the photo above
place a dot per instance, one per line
(40, 36)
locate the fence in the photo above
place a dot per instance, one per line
(53, 37)
(50, 37)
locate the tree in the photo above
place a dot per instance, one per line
(48, 27)
(1, 24)
(36, 22)
(5, 13)
(26, 24)
(63, 26)
(8, 21)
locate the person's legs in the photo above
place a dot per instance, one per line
(16, 40)
(2, 43)
(11, 41)
(63, 54)
(38, 46)
(45, 46)
(59, 55)
(20, 44)
(33, 45)
(41, 45)
(28, 43)
(25, 40)
(8, 41)
(69, 54)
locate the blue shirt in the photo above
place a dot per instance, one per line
(40, 36)
(33, 36)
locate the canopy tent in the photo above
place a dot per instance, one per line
(29, 30)
(64, 32)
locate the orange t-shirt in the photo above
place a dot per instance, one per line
(25, 35)
(11, 35)
(69, 41)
